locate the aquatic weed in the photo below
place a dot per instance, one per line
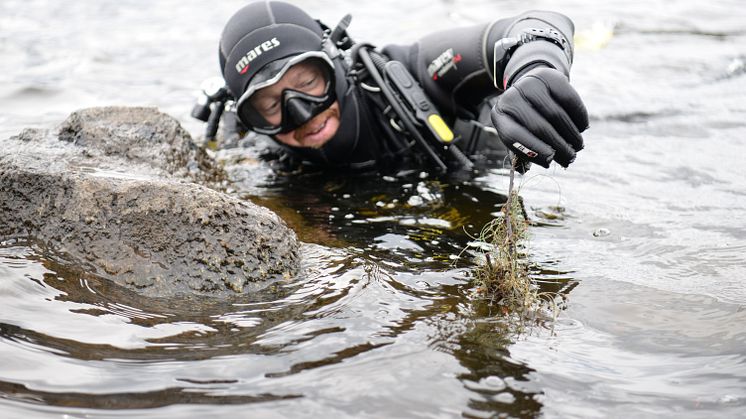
(502, 274)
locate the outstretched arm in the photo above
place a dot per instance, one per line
(540, 120)
(455, 66)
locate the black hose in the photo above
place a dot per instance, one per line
(369, 62)
(214, 121)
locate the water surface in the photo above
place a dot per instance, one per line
(648, 251)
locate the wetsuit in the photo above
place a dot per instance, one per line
(455, 68)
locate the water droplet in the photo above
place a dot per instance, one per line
(601, 232)
(415, 201)
(494, 382)
(729, 398)
(736, 67)
(506, 398)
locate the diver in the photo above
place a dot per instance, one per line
(341, 104)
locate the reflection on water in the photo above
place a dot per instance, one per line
(391, 291)
(412, 219)
(644, 236)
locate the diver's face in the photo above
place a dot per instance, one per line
(306, 78)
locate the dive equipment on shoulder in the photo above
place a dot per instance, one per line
(412, 93)
(413, 108)
(210, 105)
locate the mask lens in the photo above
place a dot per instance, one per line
(283, 96)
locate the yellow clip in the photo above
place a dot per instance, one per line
(440, 127)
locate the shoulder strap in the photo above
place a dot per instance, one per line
(418, 116)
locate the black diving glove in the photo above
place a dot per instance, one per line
(540, 118)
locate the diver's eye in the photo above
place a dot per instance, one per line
(308, 83)
(271, 108)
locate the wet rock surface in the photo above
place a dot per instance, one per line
(142, 135)
(117, 197)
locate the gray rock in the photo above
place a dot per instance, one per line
(142, 135)
(113, 198)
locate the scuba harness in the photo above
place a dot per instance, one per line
(210, 106)
(411, 112)
(406, 111)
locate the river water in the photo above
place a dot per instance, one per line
(644, 237)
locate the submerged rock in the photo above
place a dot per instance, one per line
(115, 198)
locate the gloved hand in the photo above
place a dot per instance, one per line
(540, 118)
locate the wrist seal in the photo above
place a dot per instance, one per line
(513, 54)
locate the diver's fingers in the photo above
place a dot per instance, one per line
(520, 140)
(538, 93)
(515, 104)
(565, 95)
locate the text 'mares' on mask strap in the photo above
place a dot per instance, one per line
(297, 104)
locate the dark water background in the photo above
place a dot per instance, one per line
(649, 251)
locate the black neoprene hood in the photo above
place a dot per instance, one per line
(263, 32)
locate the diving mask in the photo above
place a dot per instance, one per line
(287, 93)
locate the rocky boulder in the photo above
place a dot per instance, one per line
(116, 197)
(141, 135)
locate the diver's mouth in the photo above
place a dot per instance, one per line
(319, 130)
(316, 137)
(316, 131)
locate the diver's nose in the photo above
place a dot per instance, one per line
(298, 111)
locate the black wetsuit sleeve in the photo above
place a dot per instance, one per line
(455, 67)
